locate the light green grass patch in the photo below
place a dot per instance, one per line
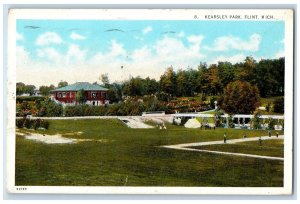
(274, 148)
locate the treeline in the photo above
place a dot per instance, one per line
(267, 75)
(22, 88)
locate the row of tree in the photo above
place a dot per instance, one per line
(267, 75)
(22, 88)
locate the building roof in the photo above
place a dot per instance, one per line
(86, 86)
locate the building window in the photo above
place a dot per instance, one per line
(59, 95)
(94, 94)
(64, 94)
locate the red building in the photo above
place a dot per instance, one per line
(94, 94)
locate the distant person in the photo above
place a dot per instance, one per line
(269, 133)
(259, 140)
(225, 138)
(245, 136)
(277, 134)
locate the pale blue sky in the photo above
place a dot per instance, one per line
(75, 50)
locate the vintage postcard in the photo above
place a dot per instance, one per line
(150, 101)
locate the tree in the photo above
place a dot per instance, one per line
(168, 81)
(80, 96)
(240, 97)
(62, 84)
(226, 73)
(279, 105)
(134, 87)
(151, 86)
(20, 88)
(269, 77)
(45, 90)
(182, 83)
(246, 70)
(104, 79)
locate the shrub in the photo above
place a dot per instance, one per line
(230, 122)
(37, 123)
(256, 121)
(28, 123)
(20, 122)
(45, 124)
(50, 109)
(279, 105)
(271, 124)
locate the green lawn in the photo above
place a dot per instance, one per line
(136, 154)
(272, 148)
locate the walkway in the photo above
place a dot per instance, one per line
(188, 147)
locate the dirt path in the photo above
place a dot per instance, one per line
(188, 147)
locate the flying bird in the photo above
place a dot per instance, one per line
(32, 27)
(112, 30)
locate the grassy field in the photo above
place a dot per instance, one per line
(272, 148)
(135, 155)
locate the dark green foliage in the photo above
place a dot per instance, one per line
(279, 105)
(50, 109)
(271, 124)
(32, 123)
(268, 107)
(37, 123)
(230, 122)
(132, 106)
(21, 99)
(218, 119)
(45, 124)
(45, 90)
(20, 122)
(21, 88)
(256, 121)
(62, 84)
(28, 123)
(240, 97)
(81, 97)
(167, 82)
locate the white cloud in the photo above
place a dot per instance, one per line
(76, 36)
(181, 34)
(147, 30)
(279, 54)
(116, 49)
(141, 54)
(48, 38)
(75, 54)
(226, 43)
(23, 56)
(232, 59)
(50, 54)
(75, 65)
(19, 36)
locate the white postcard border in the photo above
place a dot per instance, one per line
(146, 14)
